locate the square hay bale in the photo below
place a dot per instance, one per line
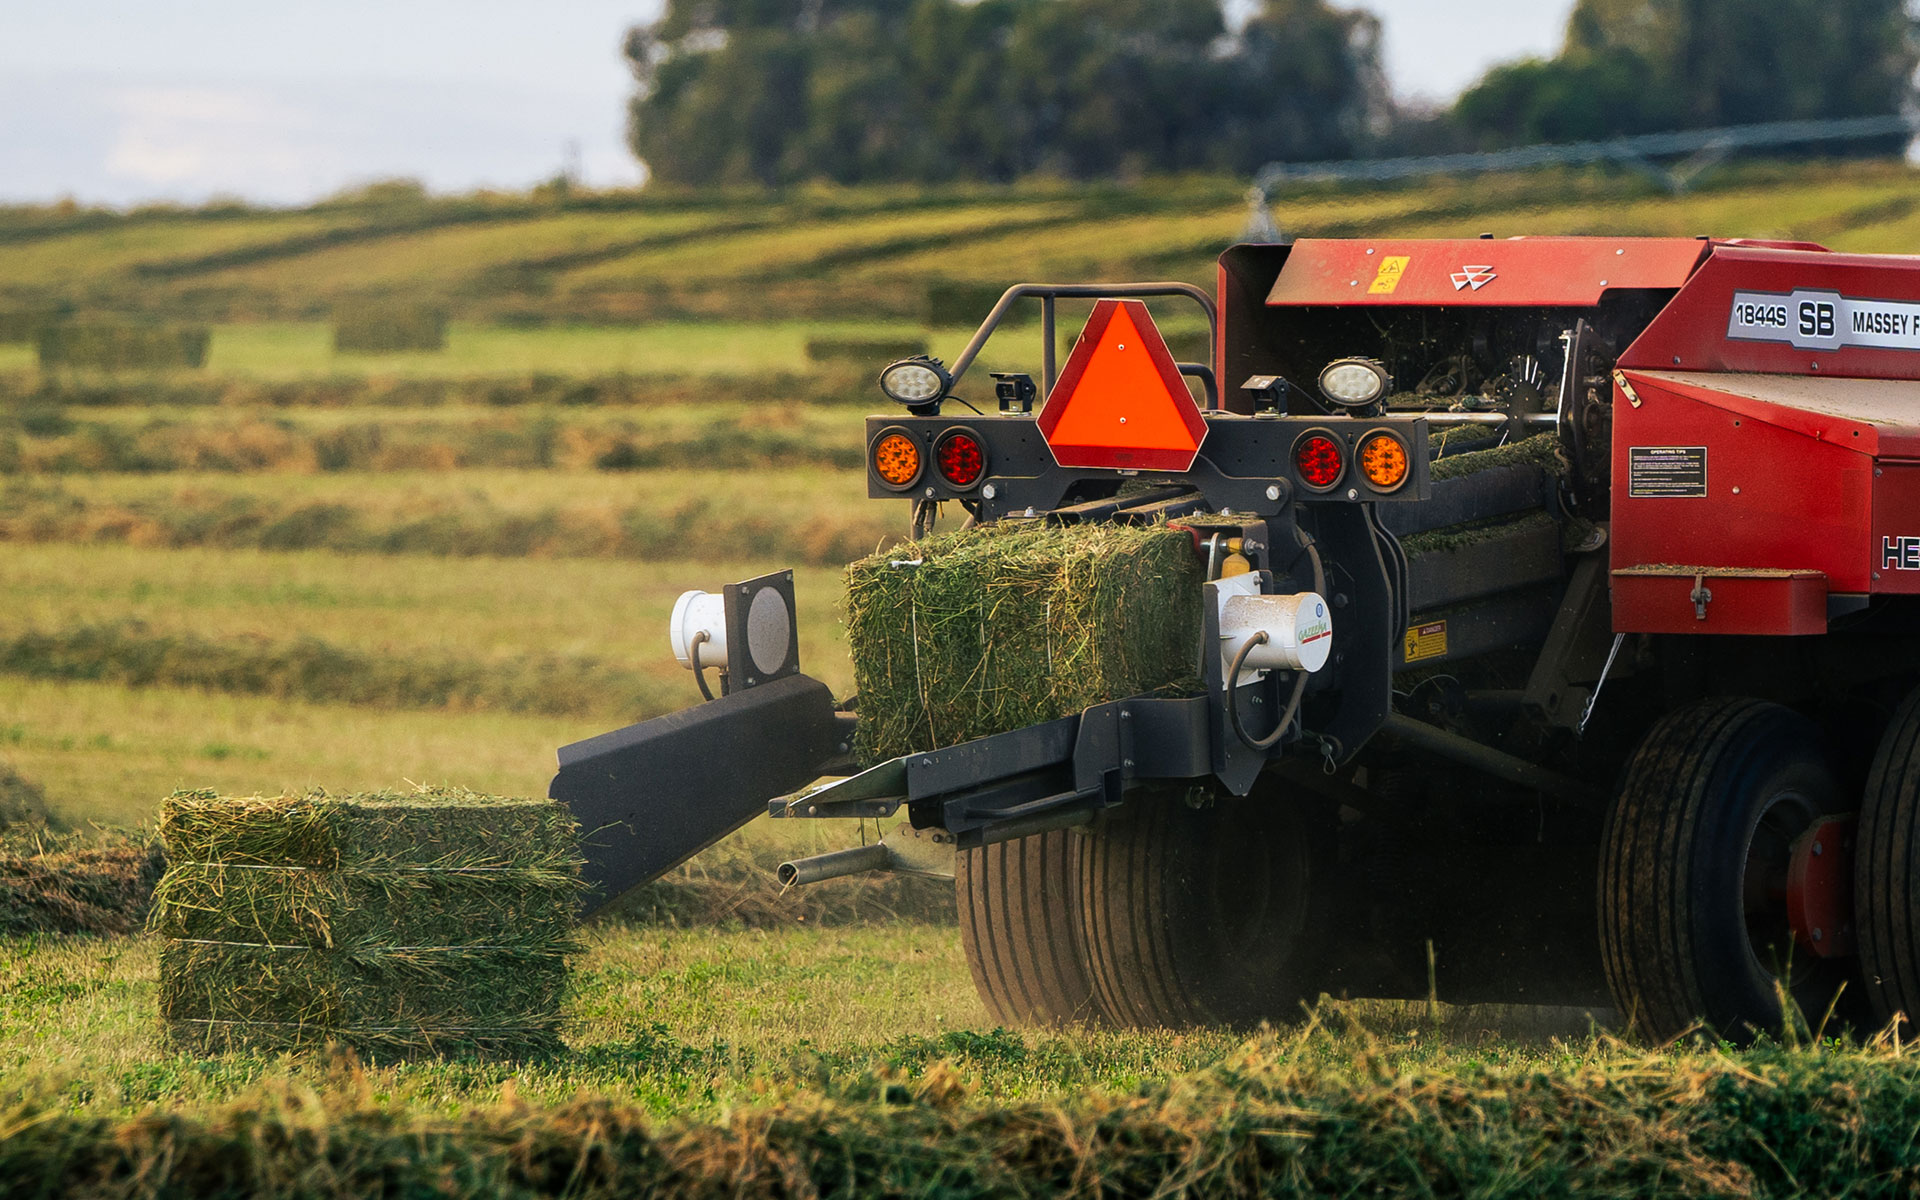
(1013, 624)
(110, 346)
(435, 921)
(388, 327)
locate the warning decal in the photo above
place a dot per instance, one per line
(1392, 267)
(1669, 472)
(1426, 641)
(1823, 320)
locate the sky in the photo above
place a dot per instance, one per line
(124, 102)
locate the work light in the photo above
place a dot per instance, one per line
(1354, 382)
(918, 382)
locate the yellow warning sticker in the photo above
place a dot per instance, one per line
(1392, 268)
(1426, 641)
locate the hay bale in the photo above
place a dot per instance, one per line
(110, 346)
(437, 920)
(1007, 626)
(388, 327)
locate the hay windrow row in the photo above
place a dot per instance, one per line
(1320, 1118)
(455, 527)
(982, 631)
(325, 672)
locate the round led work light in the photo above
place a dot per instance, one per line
(918, 382)
(1354, 382)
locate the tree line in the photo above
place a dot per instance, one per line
(853, 91)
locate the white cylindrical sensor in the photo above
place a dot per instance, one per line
(1299, 631)
(699, 612)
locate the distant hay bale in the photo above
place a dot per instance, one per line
(111, 346)
(21, 326)
(388, 327)
(877, 351)
(988, 630)
(435, 921)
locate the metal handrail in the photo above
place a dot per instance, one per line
(1050, 292)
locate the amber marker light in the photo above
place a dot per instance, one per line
(896, 460)
(1383, 460)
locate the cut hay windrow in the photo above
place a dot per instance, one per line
(438, 920)
(987, 630)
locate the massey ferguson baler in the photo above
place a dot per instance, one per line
(1552, 640)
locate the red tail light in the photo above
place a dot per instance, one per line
(1317, 457)
(961, 459)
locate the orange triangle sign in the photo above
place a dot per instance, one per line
(1120, 402)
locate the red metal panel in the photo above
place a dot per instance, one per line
(1769, 494)
(1698, 331)
(1895, 540)
(1571, 271)
(1719, 600)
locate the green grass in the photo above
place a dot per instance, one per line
(758, 1063)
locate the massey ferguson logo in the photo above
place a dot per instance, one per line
(1471, 277)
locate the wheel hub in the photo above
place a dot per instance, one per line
(1820, 888)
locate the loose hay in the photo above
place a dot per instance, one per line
(433, 921)
(987, 630)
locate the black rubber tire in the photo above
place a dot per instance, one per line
(1714, 795)
(1208, 915)
(1887, 874)
(1020, 924)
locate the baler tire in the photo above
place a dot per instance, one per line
(1206, 916)
(1675, 904)
(1020, 925)
(1887, 873)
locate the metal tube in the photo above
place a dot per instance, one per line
(1486, 758)
(1049, 370)
(1082, 291)
(835, 864)
(1478, 418)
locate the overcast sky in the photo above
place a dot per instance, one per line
(124, 101)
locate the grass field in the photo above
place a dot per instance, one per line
(296, 569)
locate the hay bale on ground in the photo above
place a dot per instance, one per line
(438, 920)
(117, 346)
(1003, 627)
(388, 327)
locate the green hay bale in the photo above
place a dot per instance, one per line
(445, 828)
(401, 998)
(398, 922)
(114, 347)
(388, 327)
(347, 909)
(999, 628)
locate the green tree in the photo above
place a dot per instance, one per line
(851, 90)
(1638, 66)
